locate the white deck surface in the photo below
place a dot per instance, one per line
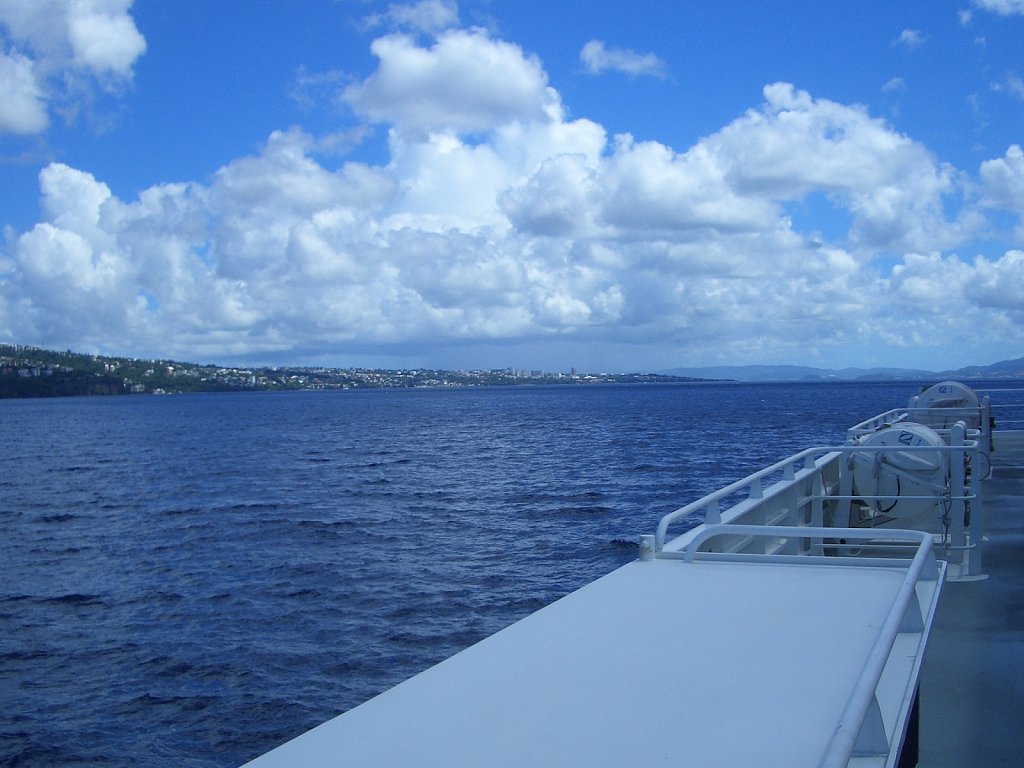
(660, 662)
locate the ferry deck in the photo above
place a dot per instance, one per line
(972, 687)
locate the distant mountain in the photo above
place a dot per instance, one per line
(1004, 369)
(1001, 370)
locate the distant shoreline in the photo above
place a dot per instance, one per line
(27, 372)
(32, 372)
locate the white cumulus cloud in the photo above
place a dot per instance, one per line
(1004, 179)
(22, 103)
(466, 81)
(999, 283)
(104, 38)
(61, 49)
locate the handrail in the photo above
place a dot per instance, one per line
(978, 417)
(692, 550)
(844, 739)
(747, 482)
(921, 567)
(821, 455)
(896, 416)
(892, 416)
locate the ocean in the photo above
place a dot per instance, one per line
(194, 579)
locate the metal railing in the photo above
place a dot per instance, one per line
(815, 488)
(1007, 415)
(977, 420)
(860, 729)
(807, 508)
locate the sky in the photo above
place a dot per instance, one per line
(549, 185)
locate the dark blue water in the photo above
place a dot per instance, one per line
(192, 580)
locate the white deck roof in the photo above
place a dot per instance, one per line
(662, 661)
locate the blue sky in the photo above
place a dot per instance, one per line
(490, 183)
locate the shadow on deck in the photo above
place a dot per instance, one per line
(972, 689)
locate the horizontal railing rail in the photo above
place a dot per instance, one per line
(977, 418)
(1008, 415)
(927, 416)
(920, 541)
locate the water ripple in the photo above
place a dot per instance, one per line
(193, 580)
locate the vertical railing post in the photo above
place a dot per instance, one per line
(957, 513)
(818, 494)
(713, 514)
(985, 442)
(976, 521)
(647, 547)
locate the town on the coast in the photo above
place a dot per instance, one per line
(27, 371)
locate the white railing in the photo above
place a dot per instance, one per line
(815, 488)
(807, 508)
(860, 730)
(1007, 415)
(978, 421)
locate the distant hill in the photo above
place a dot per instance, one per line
(27, 371)
(1006, 369)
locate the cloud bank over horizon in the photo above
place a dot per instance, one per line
(500, 225)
